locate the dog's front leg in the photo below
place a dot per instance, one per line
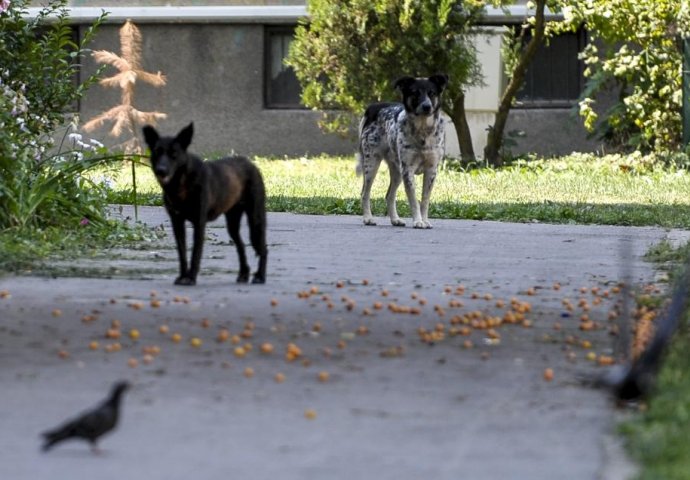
(181, 243)
(427, 186)
(409, 182)
(197, 249)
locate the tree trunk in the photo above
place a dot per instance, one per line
(495, 137)
(462, 128)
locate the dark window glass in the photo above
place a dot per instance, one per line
(282, 89)
(554, 78)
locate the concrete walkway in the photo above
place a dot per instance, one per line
(394, 406)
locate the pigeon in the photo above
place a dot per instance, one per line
(91, 424)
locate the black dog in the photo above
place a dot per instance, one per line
(200, 191)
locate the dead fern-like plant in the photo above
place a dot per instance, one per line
(124, 117)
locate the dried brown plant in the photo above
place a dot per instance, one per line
(125, 117)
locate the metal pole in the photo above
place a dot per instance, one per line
(686, 91)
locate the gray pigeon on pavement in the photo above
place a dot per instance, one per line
(92, 424)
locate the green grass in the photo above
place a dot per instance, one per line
(658, 437)
(26, 250)
(577, 189)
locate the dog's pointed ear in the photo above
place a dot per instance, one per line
(440, 80)
(402, 83)
(184, 138)
(150, 136)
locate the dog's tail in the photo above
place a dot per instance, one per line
(358, 167)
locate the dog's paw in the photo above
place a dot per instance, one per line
(258, 279)
(396, 222)
(422, 224)
(243, 278)
(186, 281)
(369, 221)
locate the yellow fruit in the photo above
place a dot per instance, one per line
(134, 334)
(205, 323)
(235, 339)
(164, 329)
(63, 354)
(176, 337)
(591, 356)
(5, 294)
(279, 378)
(323, 376)
(274, 302)
(239, 352)
(132, 362)
(266, 348)
(57, 312)
(548, 374)
(249, 372)
(195, 342)
(310, 414)
(93, 345)
(147, 359)
(155, 303)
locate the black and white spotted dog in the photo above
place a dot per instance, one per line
(409, 136)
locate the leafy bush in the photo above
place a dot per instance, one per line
(41, 182)
(633, 47)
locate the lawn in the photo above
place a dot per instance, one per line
(576, 189)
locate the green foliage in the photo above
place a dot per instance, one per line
(41, 183)
(350, 52)
(633, 47)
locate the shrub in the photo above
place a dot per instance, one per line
(41, 180)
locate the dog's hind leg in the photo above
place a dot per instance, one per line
(233, 217)
(369, 166)
(390, 195)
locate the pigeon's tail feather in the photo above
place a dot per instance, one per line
(54, 437)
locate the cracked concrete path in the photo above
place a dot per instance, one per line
(400, 401)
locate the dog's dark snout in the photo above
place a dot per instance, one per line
(426, 107)
(161, 170)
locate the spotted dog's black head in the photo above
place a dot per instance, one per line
(168, 154)
(422, 96)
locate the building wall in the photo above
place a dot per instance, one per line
(215, 79)
(215, 74)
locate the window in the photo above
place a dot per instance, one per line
(555, 76)
(282, 89)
